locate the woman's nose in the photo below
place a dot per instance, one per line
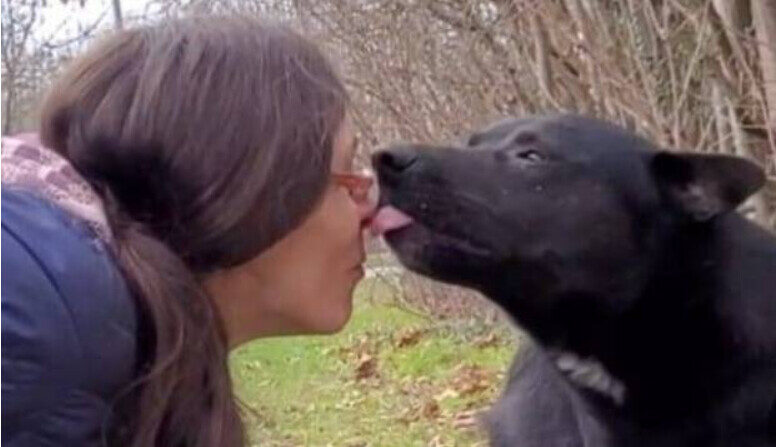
(368, 206)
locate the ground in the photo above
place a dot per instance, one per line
(392, 377)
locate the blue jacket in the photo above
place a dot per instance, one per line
(68, 327)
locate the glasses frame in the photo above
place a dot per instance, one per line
(357, 184)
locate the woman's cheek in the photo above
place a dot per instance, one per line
(350, 222)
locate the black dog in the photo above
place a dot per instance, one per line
(651, 303)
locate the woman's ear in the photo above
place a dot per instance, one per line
(703, 186)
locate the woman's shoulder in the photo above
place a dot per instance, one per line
(69, 323)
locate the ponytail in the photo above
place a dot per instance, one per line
(183, 371)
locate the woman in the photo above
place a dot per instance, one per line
(197, 194)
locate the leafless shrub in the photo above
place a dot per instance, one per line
(688, 74)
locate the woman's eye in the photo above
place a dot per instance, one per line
(530, 155)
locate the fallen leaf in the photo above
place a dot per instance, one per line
(471, 379)
(408, 416)
(367, 367)
(431, 410)
(409, 338)
(446, 394)
(472, 388)
(488, 341)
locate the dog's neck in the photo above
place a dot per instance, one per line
(678, 329)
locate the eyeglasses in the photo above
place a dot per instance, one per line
(357, 184)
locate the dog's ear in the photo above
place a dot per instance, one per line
(703, 186)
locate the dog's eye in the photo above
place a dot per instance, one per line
(530, 155)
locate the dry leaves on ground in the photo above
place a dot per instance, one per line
(408, 337)
(470, 379)
(366, 367)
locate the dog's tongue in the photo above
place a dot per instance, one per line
(389, 218)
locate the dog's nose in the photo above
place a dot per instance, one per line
(395, 160)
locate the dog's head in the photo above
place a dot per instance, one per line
(548, 205)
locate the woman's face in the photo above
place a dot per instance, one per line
(304, 282)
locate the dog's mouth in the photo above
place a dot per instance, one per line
(399, 228)
(389, 218)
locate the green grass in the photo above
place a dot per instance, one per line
(392, 377)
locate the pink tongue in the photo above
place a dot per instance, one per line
(389, 218)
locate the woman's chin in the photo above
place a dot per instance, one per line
(334, 318)
(357, 273)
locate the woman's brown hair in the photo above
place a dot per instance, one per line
(208, 139)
